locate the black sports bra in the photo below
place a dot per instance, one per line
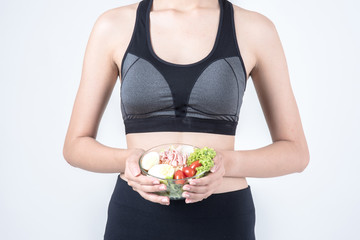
(204, 96)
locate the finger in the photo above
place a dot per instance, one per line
(147, 188)
(133, 166)
(214, 168)
(195, 197)
(209, 178)
(196, 189)
(132, 162)
(133, 172)
(147, 180)
(144, 180)
(155, 198)
(204, 180)
(217, 163)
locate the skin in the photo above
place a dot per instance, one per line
(195, 31)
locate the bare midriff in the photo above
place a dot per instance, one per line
(217, 141)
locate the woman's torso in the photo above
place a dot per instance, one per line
(164, 37)
(148, 140)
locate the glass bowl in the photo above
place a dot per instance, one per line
(173, 186)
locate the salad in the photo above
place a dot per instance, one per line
(175, 164)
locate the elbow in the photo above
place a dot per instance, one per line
(67, 154)
(303, 160)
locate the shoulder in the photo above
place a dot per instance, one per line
(255, 32)
(254, 22)
(116, 20)
(113, 29)
(123, 13)
(257, 27)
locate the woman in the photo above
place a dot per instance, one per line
(183, 67)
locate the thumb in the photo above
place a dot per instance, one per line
(214, 168)
(216, 163)
(134, 169)
(134, 162)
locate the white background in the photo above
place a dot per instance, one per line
(42, 45)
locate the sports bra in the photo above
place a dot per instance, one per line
(204, 96)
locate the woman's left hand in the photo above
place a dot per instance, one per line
(202, 188)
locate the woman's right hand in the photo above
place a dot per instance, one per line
(144, 185)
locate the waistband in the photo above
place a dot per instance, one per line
(219, 205)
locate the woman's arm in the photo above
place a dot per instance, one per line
(99, 76)
(289, 151)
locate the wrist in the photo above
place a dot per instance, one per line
(121, 155)
(232, 163)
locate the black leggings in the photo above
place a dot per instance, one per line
(228, 215)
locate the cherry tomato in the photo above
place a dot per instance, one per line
(188, 171)
(195, 164)
(179, 175)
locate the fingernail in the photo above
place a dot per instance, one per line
(185, 195)
(192, 182)
(186, 188)
(162, 187)
(156, 182)
(188, 201)
(213, 169)
(164, 200)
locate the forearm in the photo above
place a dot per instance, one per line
(277, 159)
(88, 154)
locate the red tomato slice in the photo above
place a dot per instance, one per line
(195, 164)
(179, 175)
(188, 171)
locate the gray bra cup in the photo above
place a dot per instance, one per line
(218, 92)
(141, 97)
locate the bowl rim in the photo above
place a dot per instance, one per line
(168, 179)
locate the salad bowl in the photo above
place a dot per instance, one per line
(169, 164)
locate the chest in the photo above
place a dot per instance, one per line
(183, 38)
(210, 86)
(214, 90)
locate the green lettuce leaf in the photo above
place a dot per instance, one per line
(205, 156)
